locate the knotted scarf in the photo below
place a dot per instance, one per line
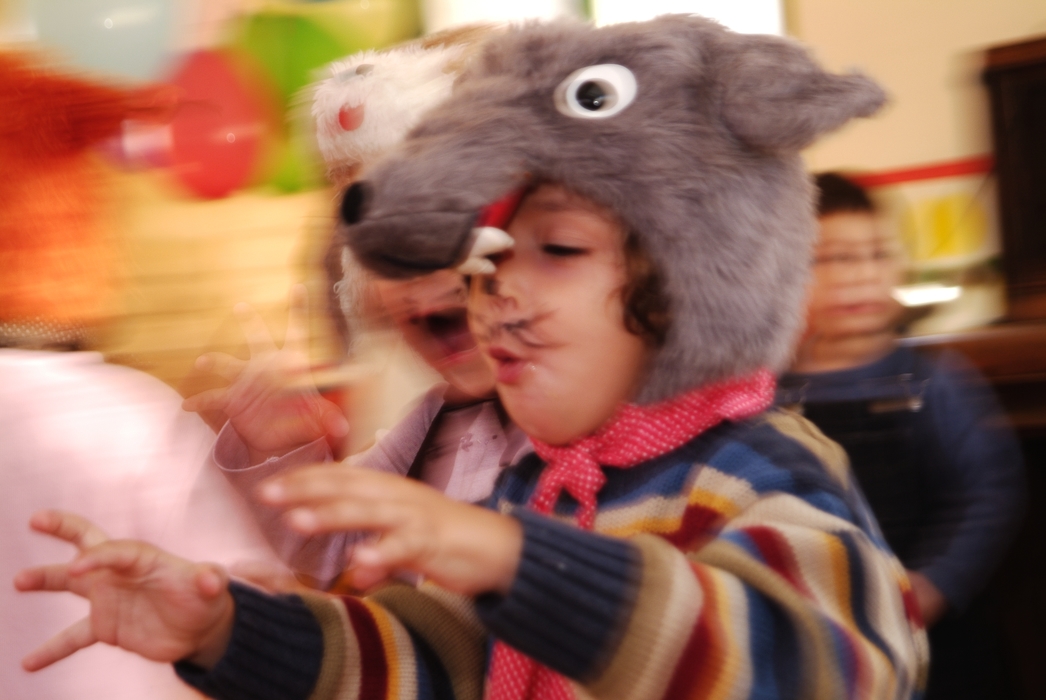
(633, 435)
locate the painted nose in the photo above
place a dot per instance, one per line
(350, 118)
(353, 203)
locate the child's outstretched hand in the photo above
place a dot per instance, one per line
(464, 548)
(142, 598)
(271, 402)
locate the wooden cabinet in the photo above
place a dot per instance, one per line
(1016, 79)
(1013, 358)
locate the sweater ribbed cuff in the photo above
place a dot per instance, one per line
(275, 652)
(571, 598)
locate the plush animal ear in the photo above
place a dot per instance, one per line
(776, 98)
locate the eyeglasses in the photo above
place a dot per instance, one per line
(878, 256)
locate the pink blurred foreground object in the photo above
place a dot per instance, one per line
(219, 133)
(111, 444)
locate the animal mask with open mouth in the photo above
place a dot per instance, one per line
(688, 132)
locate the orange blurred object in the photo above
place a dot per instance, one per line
(56, 253)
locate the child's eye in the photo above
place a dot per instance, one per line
(562, 251)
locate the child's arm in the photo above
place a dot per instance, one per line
(974, 482)
(276, 420)
(142, 599)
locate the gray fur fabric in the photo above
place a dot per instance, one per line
(703, 166)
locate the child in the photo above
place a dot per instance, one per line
(678, 541)
(457, 438)
(926, 438)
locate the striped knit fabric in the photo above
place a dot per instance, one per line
(742, 565)
(635, 434)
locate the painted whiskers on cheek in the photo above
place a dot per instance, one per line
(489, 331)
(488, 310)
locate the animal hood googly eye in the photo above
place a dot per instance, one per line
(596, 92)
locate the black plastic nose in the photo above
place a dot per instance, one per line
(354, 203)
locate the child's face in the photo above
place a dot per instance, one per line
(430, 312)
(855, 270)
(550, 321)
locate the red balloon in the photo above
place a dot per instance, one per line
(220, 128)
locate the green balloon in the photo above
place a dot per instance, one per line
(292, 41)
(289, 48)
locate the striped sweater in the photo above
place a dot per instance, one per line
(743, 565)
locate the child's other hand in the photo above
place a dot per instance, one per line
(461, 547)
(932, 603)
(271, 402)
(142, 598)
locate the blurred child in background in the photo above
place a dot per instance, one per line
(925, 436)
(458, 438)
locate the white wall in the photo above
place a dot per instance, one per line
(926, 53)
(747, 16)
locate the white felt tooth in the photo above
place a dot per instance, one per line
(489, 240)
(477, 266)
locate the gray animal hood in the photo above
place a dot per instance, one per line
(690, 133)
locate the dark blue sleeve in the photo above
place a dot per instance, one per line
(585, 582)
(275, 652)
(975, 483)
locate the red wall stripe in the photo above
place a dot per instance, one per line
(974, 165)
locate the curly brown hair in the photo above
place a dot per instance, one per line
(647, 312)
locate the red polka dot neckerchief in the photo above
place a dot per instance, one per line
(634, 435)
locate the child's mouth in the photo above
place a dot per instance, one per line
(449, 329)
(509, 366)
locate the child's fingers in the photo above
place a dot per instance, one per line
(124, 556)
(334, 421)
(211, 580)
(225, 366)
(400, 550)
(53, 577)
(300, 486)
(69, 527)
(297, 335)
(259, 340)
(364, 577)
(348, 514)
(210, 400)
(324, 482)
(70, 640)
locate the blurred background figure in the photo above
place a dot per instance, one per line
(457, 438)
(77, 433)
(925, 435)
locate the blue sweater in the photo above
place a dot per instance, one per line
(968, 461)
